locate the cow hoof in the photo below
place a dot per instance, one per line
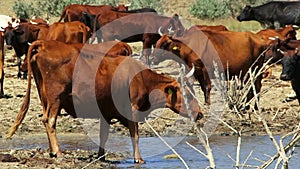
(53, 155)
(19, 75)
(139, 161)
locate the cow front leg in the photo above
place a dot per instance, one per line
(49, 120)
(134, 134)
(104, 129)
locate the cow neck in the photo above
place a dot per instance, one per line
(157, 81)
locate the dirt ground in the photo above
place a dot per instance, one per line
(282, 118)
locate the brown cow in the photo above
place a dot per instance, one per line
(17, 38)
(1, 63)
(74, 12)
(239, 49)
(60, 86)
(111, 49)
(69, 32)
(288, 32)
(212, 27)
(143, 27)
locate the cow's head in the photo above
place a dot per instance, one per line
(175, 100)
(247, 14)
(290, 64)
(166, 47)
(172, 27)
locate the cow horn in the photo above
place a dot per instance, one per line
(170, 30)
(29, 43)
(129, 4)
(272, 38)
(295, 26)
(191, 72)
(34, 23)
(296, 51)
(159, 31)
(282, 52)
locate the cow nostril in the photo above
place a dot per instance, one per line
(284, 77)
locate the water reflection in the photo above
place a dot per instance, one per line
(153, 150)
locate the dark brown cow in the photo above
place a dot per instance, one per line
(239, 49)
(18, 38)
(74, 12)
(69, 32)
(136, 27)
(212, 27)
(60, 86)
(1, 63)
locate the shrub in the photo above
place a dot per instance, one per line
(212, 9)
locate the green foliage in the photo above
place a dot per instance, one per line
(209, 9)
(23, 10)
(212, 9)
(44, 8)
(156, 4)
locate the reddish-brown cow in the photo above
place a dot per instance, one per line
(69, 32)
(212, 27)
(237, 49)
(288, 32)
(144, 27)
(60, 87)
(74, 12)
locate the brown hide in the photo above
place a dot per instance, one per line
(68, 77)
(239, 49)
(70, 32)
(74, 12)
(212, 27)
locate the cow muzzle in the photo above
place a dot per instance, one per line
(9, 47)
(285, 77)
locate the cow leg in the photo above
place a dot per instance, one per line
(104, 129)
(49, 120)
(19, 67)
(134, 134)
(205, 85)
(1, 83)
(146, 52)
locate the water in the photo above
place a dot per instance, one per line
(153, 150)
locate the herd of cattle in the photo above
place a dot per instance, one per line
(54, 52)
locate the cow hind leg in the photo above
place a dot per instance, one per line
(104, 129)
(49, 120)
(133, 128)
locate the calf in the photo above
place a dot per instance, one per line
(291, 71)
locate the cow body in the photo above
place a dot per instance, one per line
(212, 27)
(291, 72)
(237, 49)
(62, 86)
(19, 37)
(74, 12)
(136, 27)
(285, 13)
(69, 32)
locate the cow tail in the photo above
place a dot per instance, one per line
(63, 15)
(26, 101)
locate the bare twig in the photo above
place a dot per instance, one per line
(171, 148)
